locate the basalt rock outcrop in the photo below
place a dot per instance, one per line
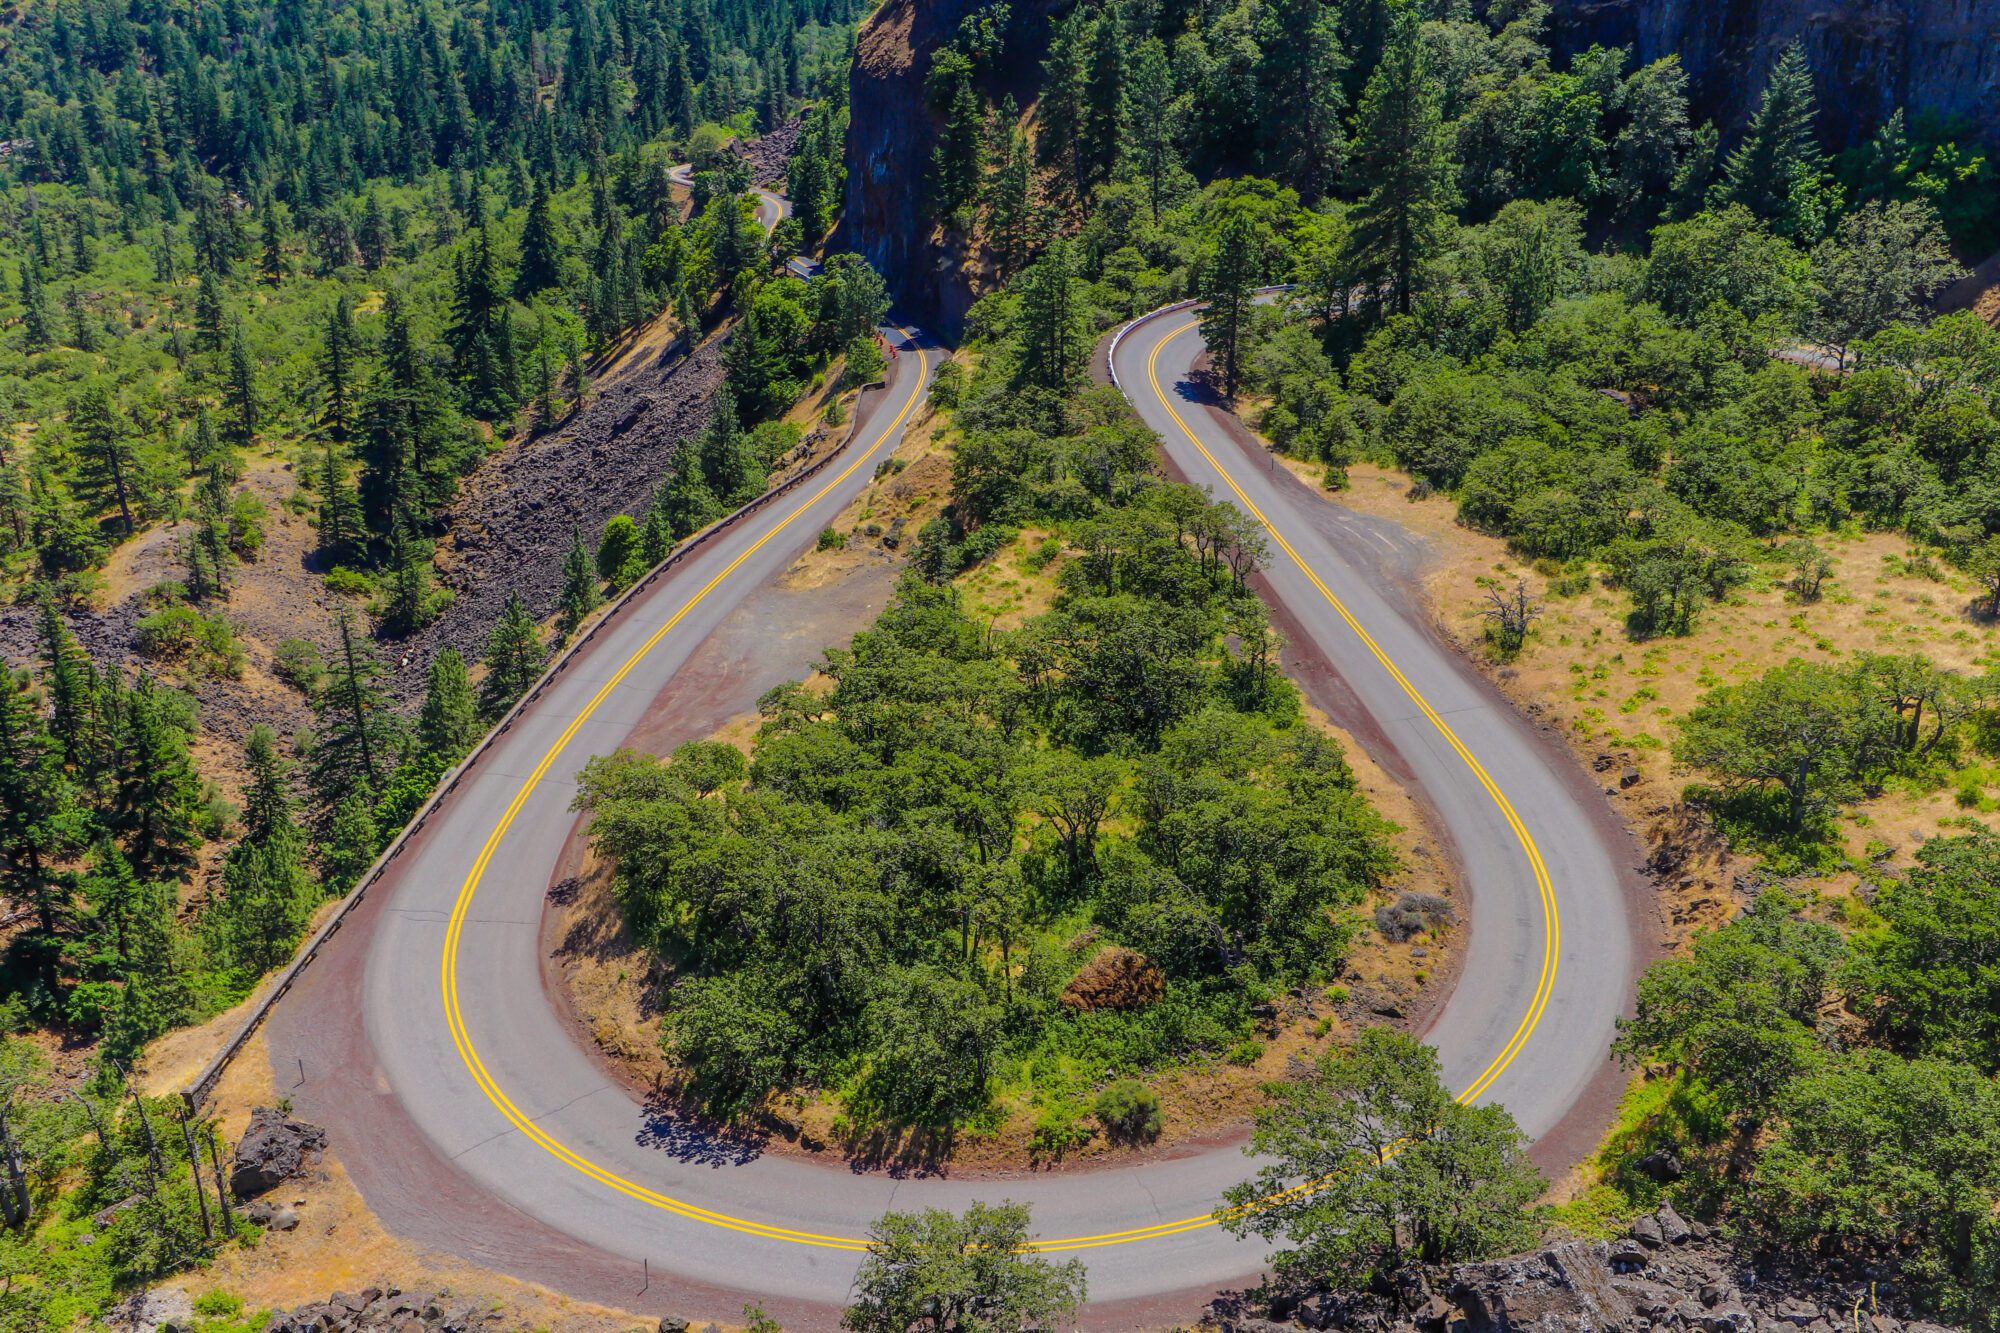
(890, 135)
(1666, 1274)
(1868, 56)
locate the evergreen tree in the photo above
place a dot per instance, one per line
(1010, 199)
(728, 460)
(267, 800)
(686, 503)
(1300, 96)
(71, 682)
(956, 163)
(541, 247)
(1155, 122)
(210, 318)
(36, 329)
(354, 733)
(83, 327)
(239, 392)
(37, 812)
(412, 443)
(481, 334)
(1777, 171)
(1055, 343)
(339, 352)
(656, 539)
(580, 593)
(448, 722)
(109, 462)
(1229, 286)
(341, 531)
(1403, 145)
(1104, 118)
(371, 236)
(410, 605)
(514, 658)
(351, 840)
(1063, 108)
(156, 795)
(272, 262)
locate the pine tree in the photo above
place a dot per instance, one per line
(957, 165)
(1155, 122)
(410, 605)
(35, 326)
(351, 840)
(272, 262)
(71, 682)
(481, 333)
(412, 444)
(109, 469)
(656, 540)
(156, 794)
(448, 722)
(580, 593)
(728, 461)
(83, 328)
(1778, 171)
(341, 532)
(36, 807)
(239, 392)
(541, 248)
(1102, 140)
(267, 801)
(686, 503)
(1055, 345)
(1063, 108)
(547, 410)
(338, 353)
(1404, 146)
(514, 657)
(1301, 98)
(210, 319)
(1010, 200)
(354, 735)
(1229, 286)
(371, 236)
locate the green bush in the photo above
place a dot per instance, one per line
(1246, 1052)
(1130, 1111)
(831, 539)
(297, 662)
(865, 363)
(350, 581)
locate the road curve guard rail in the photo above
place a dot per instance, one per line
(203, 1087)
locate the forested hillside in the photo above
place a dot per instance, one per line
(274, 281)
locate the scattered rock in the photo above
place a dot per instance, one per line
(272, 1150)
(1629, 777)
(1672, 1229)
(1647, 1232)
(673, 1323)
(1660, 1165)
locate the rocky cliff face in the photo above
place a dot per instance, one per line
(1868, 56)
(889, 138)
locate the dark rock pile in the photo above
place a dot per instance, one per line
(768, 154)
(273, 1149)
(1666, 1273)
(387, 1309)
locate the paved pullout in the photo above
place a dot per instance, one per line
(463, 1100)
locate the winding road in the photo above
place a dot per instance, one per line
(473, 1119)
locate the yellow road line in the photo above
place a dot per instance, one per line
(526, 1125)
(1551, 920)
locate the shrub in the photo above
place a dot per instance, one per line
(350, 581)
(297, 662)
(835, 414)
(1130, 1111)
(948, 388)
(1058, 1132)
(1246, 1052)
(831, 539)
(181, 633)
(1411, 914)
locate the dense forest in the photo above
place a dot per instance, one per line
(335, 258)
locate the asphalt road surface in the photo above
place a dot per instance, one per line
(475, 1100)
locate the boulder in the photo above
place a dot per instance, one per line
(1571, 1287)
(1115, 978)
(1672, 1229)
(274, 1148)
(1660, 1165)
(151, 1311)
(1646, 1231)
